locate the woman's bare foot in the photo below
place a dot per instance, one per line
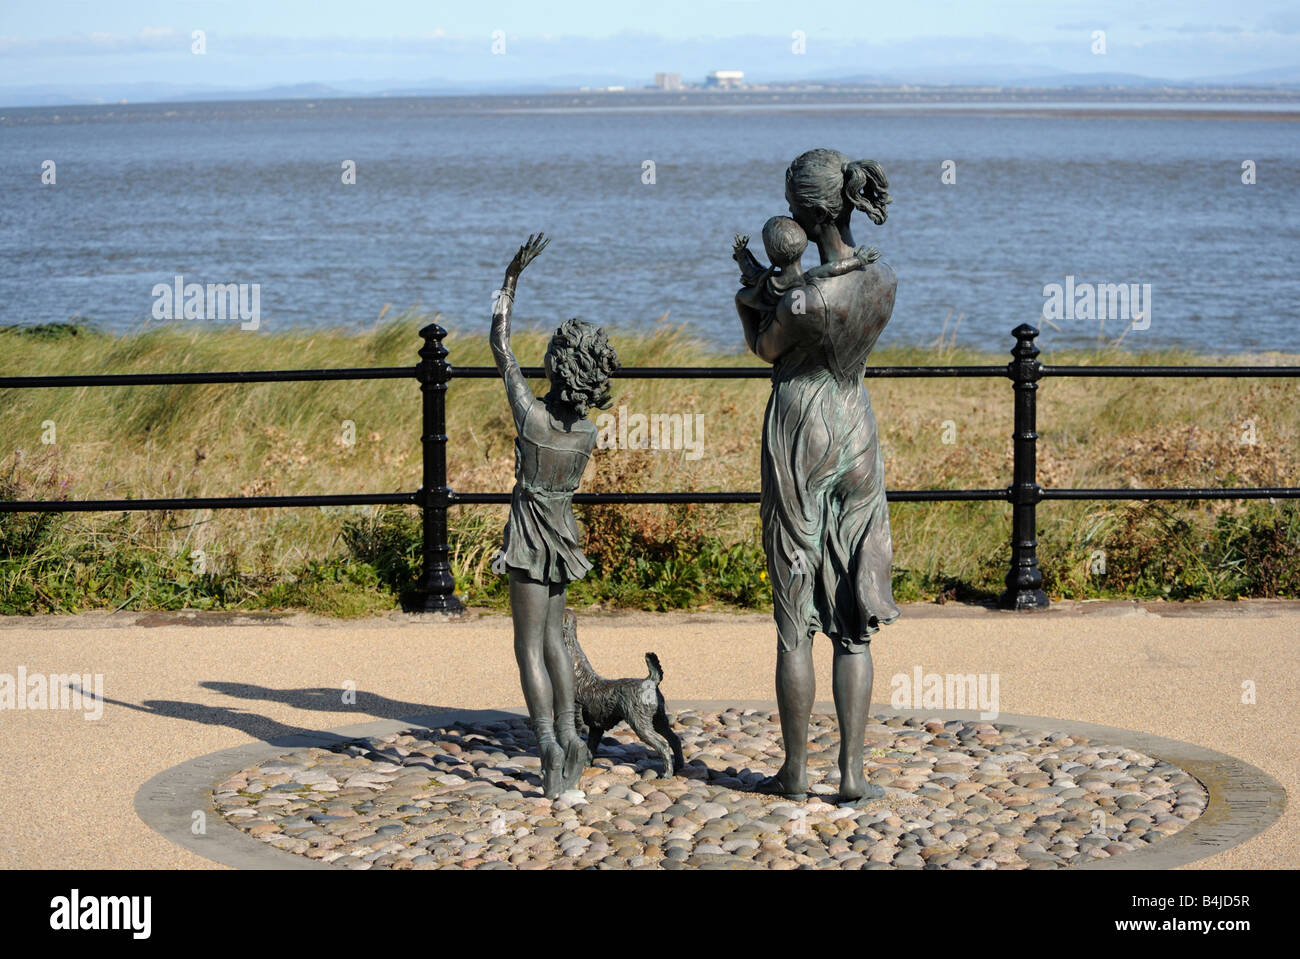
(792, 786)
(855, 790)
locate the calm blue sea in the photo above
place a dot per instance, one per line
(446, 189)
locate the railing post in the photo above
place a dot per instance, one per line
(1025, 579)
(435, 590)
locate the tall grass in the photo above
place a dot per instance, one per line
(218, 439)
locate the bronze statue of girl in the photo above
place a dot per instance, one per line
(553, 442)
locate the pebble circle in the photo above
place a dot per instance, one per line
(958, 795)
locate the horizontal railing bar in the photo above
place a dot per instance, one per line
(929, 372)
(899, 496)
(1264, 492)
(204, 502)
(1049, 370)
(631, 372)
(905, 372)
(236, 376)
(737, 372)
(918, 495)
(945, 495)
(473, 499)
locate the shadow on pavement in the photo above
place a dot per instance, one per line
(368, 705)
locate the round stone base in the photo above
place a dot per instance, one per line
(959, 794)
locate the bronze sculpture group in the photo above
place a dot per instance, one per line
(825, 520)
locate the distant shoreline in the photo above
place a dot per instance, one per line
(1192, 103)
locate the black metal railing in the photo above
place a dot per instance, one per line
(435, 589)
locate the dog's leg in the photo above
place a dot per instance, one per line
(664, 729)
(653, 740)
(583, 725)
(594, 734)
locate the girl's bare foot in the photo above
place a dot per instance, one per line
(552, 770)
(575, 761)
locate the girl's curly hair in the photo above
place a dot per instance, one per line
(581, 361)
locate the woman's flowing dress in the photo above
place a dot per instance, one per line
(825, 519)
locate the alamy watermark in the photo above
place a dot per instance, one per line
(922, 690)
(653, 431)
(75, 912)
(71, 691)
(212, 301)
(1098, 301)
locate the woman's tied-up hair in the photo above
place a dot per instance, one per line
(581, 361)
(825, 180)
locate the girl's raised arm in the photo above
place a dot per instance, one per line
(517, 390)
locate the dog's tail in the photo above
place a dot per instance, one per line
(656, 671)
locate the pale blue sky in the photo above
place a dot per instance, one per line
(263, 42)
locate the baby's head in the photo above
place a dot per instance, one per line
(784, 240)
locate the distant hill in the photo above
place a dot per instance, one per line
(1283, 79)
(40, 95)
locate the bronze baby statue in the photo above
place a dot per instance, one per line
(785, 241)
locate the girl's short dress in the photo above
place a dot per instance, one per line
(541, 536)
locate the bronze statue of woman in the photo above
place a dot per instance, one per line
(554, 439)
(825, 519)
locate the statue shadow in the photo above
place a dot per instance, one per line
(467, 734)
(328, 699)
(381, 707)
(272, 731)
(254, 725)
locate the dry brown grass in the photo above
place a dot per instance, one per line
(288, 438)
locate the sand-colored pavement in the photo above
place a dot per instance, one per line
(176, 687)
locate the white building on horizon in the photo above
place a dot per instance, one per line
(726, 79)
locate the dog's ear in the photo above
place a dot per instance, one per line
(570, 623)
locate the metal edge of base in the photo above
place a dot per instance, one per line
(1244, 800)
